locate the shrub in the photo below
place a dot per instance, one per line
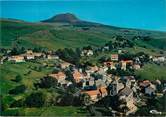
(18, 78)
(18, 90)
(47, 82)
(36, 99)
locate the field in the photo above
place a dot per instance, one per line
(46, 111)
(55, 36)
(26, 70)
(152, 72)
(8, 73)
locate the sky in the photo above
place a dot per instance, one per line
(140, 14)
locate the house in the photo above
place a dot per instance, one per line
(29, 56)
(77, 76)
(105, 48)
(87, 52)
(144, 83)
(49, 56)
(103, 91)
(110, 64)
(93, 69)
(136, 66)
(91, 81)
(65, 65)
(128, 80)
(159, 59)
(126, 99)
(16, 59)
(100, 83)
(116, 86)
(114, 57)
(3, 59)
(102, 69)
(94, 94)
(119, 51)
(29, 51)
(38, 55)
(60, 76)
(124, 63)
(150, 90)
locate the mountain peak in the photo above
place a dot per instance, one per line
(65, 18)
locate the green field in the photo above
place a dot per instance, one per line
(46, 111)
(55, 36)
(152, 72)
(26, 70)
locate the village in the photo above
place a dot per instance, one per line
(112, 78)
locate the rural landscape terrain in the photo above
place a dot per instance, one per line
(64, 66)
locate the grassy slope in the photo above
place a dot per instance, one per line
(9, 71)
(152, 72)
(47, 111)
(11, 30)
(56, 36)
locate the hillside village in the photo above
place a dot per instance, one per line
(114, 78)
(65, 66)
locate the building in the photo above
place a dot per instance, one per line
(114, 57)
(126, 99)
(16, 59)
(91, 81)
(150, 90)
(100, 83)
(29, 56)
(29, 51)
(124, 63)
(86, 52)
(128, 80)
(103, 91)
(116, 86)
(60, 76)
(52, 56)
(144, 84)
(92, 69)
(65, 65)
(77, 76)
(97, 94)
(38, 55)
(159, 59)
(94, 94)
(136, 66)
(110, 64)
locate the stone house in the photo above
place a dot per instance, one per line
(16, 59)
(126, 100)
(60, 76)
(114, 57)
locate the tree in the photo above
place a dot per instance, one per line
(18, 78)
(85, 99)
(36, 99)
(18, 90)
(47, 82)
(71, 89)
(55, 70)
(18, 103)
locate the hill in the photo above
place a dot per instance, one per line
(66, 30)
(67, 18)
